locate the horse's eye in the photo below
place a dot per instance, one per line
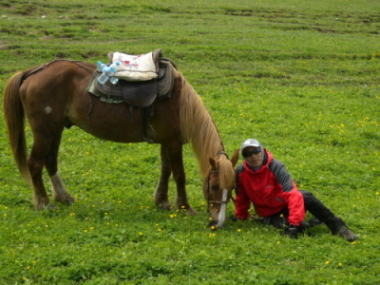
(215, 187)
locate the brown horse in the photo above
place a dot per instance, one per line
(54, 96)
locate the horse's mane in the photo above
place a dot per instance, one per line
(198, 126)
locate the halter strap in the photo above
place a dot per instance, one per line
(222, 152)
(208, 192)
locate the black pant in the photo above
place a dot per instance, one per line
(315, 207)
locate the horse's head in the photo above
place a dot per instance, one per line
(218, 187)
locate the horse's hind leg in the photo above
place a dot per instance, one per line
(161, 194)
(45, 153)
(36, 163)
(59, 191)
(58, 188)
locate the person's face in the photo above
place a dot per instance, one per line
(253, 156)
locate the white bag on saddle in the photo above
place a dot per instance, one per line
(135, 67)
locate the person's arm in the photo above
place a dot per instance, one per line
(242, 205)
(296, 206)
(293, 197)
(242, 201)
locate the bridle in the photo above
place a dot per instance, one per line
(225, 199)
(208, 192)
(226, 196)
(223, 203)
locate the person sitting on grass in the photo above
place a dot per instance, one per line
(264, 181)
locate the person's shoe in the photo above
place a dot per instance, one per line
(347, 234)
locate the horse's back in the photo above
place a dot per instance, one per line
(57, 76)
(48, 90)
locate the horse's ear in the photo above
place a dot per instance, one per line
(213, 163)
(235, 157)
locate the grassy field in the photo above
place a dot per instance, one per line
(303, 77)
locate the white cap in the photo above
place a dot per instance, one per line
(252, 143)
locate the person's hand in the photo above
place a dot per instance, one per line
(233, 218)
(292, 231)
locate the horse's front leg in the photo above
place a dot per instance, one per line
(161, 194)
(174, 153)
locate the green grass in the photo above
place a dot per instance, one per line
(300, 76)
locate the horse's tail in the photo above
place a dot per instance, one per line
(15, 121)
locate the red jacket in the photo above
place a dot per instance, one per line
(270, 189)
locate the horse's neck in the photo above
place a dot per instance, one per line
(210, 146)
(198, 126)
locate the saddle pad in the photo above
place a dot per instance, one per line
(135, 67)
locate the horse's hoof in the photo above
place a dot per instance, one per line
(166, 206)
(51, 206)
(67, 200)
(41, 203)
(45, 207)
(191, 212)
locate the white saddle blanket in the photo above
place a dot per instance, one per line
(135, 67)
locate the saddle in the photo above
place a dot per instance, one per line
(138, 94)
